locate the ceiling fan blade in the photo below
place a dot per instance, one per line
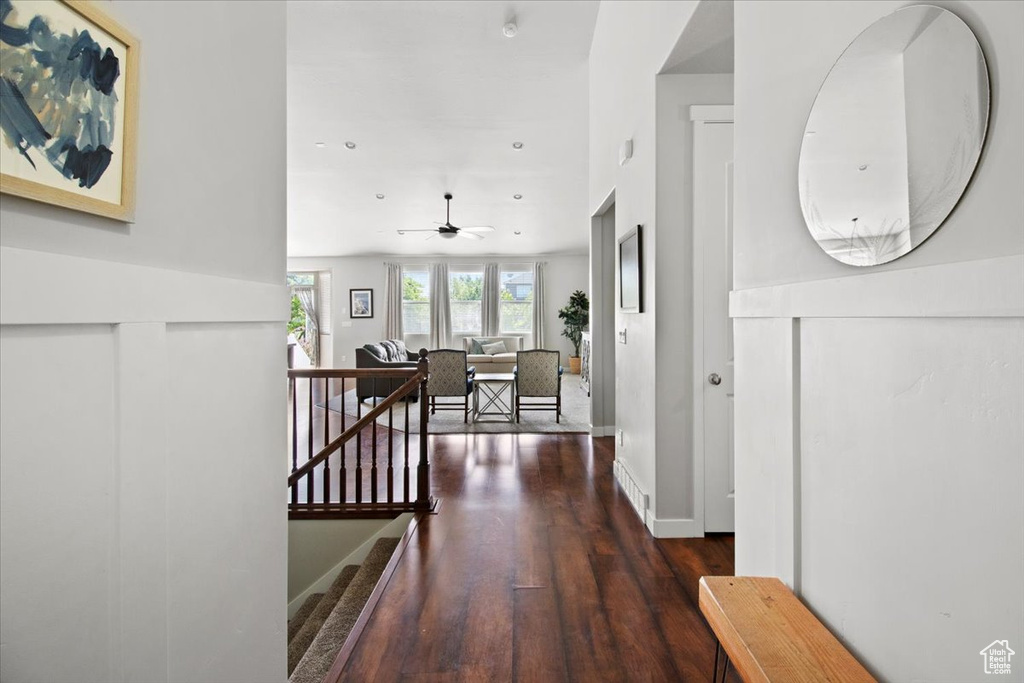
(430, 237)
(402, 232)
(469, 235)
(479, 228)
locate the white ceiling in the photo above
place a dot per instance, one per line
(434, 95)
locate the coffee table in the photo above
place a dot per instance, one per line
(489, 390)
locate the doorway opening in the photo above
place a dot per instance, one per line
(600, 363)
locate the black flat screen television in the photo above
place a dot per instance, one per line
(631, 294)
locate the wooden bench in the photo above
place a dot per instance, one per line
(769, 635)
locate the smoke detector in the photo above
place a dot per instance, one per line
(510, 29)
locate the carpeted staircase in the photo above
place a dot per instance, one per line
(318, 630)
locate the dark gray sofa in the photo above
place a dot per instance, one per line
(386, 354)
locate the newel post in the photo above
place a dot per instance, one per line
(423, 470)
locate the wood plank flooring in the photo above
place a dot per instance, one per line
(537, 569)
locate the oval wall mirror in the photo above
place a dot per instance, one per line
(894, 136)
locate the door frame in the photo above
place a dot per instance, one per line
(701, 114)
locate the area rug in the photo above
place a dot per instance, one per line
(575, 415)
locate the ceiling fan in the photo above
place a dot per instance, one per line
(448, 231)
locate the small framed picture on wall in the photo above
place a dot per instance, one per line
(360, 303)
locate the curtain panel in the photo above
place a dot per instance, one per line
(393, 328)
(307, 301)
(440, 307)
(538, 306)
(490, 304)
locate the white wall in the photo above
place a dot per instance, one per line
(602, 322)
(630, 100)
(564, 274)
(880, 412)
(769, 252)
(142, 438)
(632, 41)
(677, 485)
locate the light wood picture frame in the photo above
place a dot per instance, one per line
(69, 137)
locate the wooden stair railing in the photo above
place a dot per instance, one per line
(346, 492)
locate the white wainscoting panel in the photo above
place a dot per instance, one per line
(911, 486)
(59, 522)
(879, 445)
(142, 473)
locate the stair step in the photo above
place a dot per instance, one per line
(320, 655)
(296, 622)
(298, 645)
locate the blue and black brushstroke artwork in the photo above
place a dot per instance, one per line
(57, 99)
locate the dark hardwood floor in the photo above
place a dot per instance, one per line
(537, 569)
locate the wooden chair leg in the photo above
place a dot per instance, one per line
(517, 408)
(465, 417)
(558, 409)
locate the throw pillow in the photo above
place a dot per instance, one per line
(377, 350)
(475, 346)
(493, 349)
(403, 351)
(391, 349)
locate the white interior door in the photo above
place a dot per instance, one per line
(713, 343)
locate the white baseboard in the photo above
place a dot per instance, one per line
(672, 528)
(640, 501)
(394, 528)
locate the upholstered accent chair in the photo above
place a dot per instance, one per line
(450, 375)
(539, 374)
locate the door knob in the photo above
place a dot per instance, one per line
(714, 379)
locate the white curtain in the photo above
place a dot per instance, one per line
(490, 304)
(440, 307)
(393, 301)
(538, 305)
(307, 301)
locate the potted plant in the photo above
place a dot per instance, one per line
(576, 316)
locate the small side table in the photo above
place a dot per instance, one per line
(492, 386)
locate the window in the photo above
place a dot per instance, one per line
(304, 287)
(416, 300)
(516, 301)
(466, 289)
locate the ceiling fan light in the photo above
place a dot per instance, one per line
(448, 235)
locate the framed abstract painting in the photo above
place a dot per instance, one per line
(68, 106)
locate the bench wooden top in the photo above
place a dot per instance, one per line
(770, 635)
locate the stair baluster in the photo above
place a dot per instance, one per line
(320, 500)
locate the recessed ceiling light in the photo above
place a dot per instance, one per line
(321, 145)
(380, 196)
(350, 145)
(517, 145)
(518, 232)
(517, 196)
(510, 29)
(401, 232)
